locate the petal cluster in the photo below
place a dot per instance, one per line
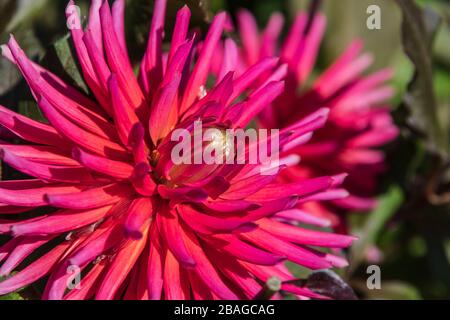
(106, 203)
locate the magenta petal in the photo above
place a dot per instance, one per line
(170, 228)
(31, 130)
(118, 60)
(174, 288)
(200, 73)
(98, 145)
(180, 30)
(243, 251)
(138, 215)
(46, 172)
(142, 181)
(118, 16)
(88, 289)
(90, 198)
(209, 224)
(151, 70)
(119, 268)
(244, 81)
(33, 197)
(124, 113)
(293, 252)
(205, 269)
(157, 256)
(112, 168)
(164, 113)
(34, 271)
(304, 236)
(97, 244)
(41, 154)
(63, 221)
(248, 30)
(259, 101)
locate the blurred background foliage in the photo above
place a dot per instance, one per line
(408, 235)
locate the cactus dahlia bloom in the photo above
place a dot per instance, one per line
(358, 123)
(115, 210)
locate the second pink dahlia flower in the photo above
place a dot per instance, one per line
(359, 120)
(115, 210)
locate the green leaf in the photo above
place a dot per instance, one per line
(389, 203)
(419, 27)
(12, 295)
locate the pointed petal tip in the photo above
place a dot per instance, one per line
(338, 179)
(4, 273)
(14, 232)
(12, 41)
(324, 112)
(221, 15)
(6, 52)
(185, 8)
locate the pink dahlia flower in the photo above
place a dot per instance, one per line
(358, 123)
(115, 210)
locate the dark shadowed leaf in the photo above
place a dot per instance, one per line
(31, 110)
(10, 76)
(419, 27)
(329, 284)
(7, 8)
(22, 13)
(60, 59)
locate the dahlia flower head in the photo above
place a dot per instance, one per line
(359, 120)
(114, 210)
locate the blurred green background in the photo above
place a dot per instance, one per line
(408, 236)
